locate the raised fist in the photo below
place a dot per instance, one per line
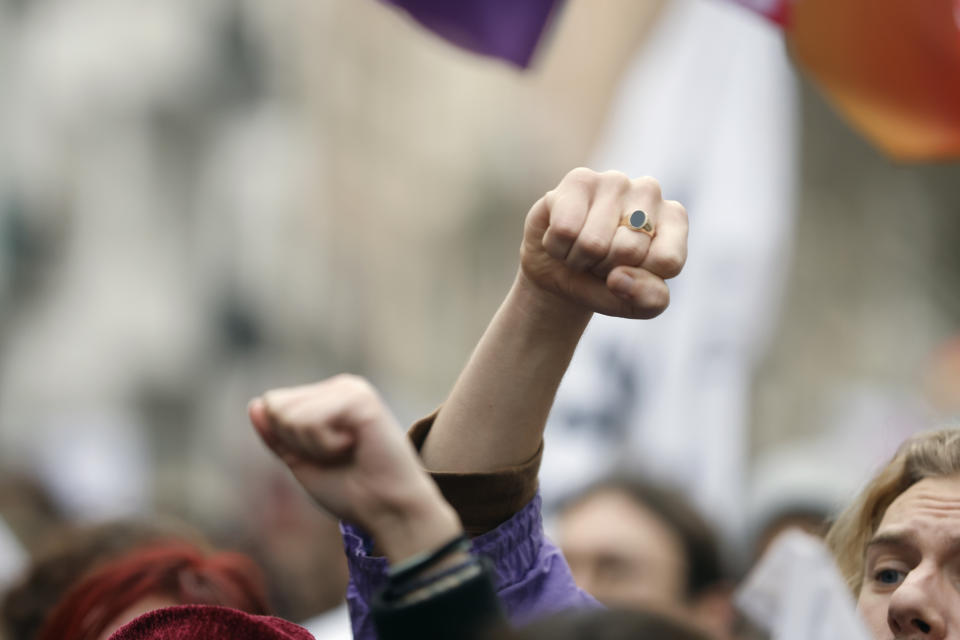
(576, 248)
(346, 449)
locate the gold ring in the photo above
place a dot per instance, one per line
(639, 221)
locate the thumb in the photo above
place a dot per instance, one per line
(641, 294)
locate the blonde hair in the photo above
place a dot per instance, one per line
(927, 455)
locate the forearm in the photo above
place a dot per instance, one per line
(578, 255)
(495, 415)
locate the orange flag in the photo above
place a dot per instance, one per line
(891, 67)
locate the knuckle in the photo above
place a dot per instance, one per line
(629, 254)
(618, 180)
(564, 229)
(580, 174)
(648, 186)
(555, 248)
(678, 208)
(592, 246)
(354, 386)
(361, 400)
(668, 264)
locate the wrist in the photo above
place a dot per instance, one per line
(545, 310)
(421, 525)
(427, 564)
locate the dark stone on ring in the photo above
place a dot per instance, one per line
(637, 219)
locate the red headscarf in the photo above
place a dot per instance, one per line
(177, 571)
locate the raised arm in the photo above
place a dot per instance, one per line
(344, 447)
(576, 258)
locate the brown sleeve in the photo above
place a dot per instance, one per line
(483, 500)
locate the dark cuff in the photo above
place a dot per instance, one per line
(466, 609)
(483, 500)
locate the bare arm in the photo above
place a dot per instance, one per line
(575, 259)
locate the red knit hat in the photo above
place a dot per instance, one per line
(206, 622)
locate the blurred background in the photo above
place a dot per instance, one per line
(200, 200)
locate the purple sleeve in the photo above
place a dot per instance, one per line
(533, 578)
(507, 29)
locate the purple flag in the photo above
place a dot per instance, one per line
(506, 29)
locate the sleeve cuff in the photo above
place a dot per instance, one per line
(483, 500)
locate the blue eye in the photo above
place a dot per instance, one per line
(888, 576)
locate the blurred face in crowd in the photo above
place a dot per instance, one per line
(622, 553)
(911, 581)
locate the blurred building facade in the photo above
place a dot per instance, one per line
(203, 200)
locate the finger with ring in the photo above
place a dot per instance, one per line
(639, 220)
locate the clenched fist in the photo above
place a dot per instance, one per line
(575, 248)
(345, 448)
